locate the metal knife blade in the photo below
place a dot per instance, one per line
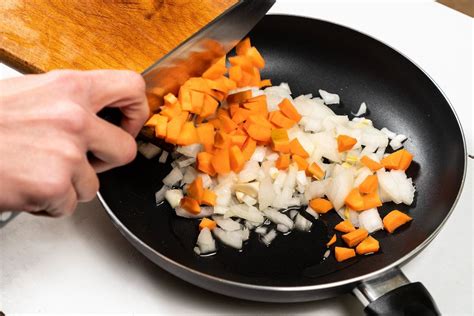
(192, 57)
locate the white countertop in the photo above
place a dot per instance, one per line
(82, 264)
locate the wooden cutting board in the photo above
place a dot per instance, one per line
(41, 35)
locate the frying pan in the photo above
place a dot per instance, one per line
(310, 55)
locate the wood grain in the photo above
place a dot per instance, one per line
(464, 6)
(41, 35)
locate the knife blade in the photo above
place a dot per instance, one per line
(192, 57)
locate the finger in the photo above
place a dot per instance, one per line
(85, 181)
(110, 144)
(120, 89)
(65, 206)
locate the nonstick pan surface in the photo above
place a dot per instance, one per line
(310, 55)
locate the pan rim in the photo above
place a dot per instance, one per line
(124, 230)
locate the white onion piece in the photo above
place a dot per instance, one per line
(292, 214)
(379, 153)
(354, 218)
(269, 237)
(312, 212)
(272, 157)
(261, 230)
(163, 157)
(342, 213)
(226, 178)
(326, 146)
(251, 225)
(244, 211)
(230, 238)
(160, 194)
(205, 212)
(301, 180)
(221, 209)
(259, 154)
(311, 125)
(173, 177)
(224, 194)
(174, 197)
(250, 189)
(370, 220)
(245, 233)
(373, 137)
(249, 172)
(302, 223)
(148, 150)
(329, 98)
(189, 175)
(278, 218)
(390, 187)
(405, 186)
(316, 189)
(206, 180)
(226, 223)
(388, 132)
(205, 243)
(282, 228)
(186, 162)
(362, 110)
(266, 194)
(339, 188)
(190, 150)
(397, 141)
(249, 200)
(279, 181)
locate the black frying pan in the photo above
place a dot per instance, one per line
(311, 54)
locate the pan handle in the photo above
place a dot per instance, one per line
(392, 294)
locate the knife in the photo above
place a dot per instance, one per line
(195, 55)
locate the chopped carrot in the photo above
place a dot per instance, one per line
(170, 98)
(187, 135)
(240, 115)
(320, 205)
(243, 46)
(355, 237)
(237, 159)
(315, 170)
(249, 148)
(216, 123)
(345, 227)
(255, 57)
(300, 161)
(222, 140)
(392, 161)
(406, 160)
(354, 200)
(280, 141)
(220, 161)
(204, 164)
(171, 110)
(174, 127)
(190, 205)
(196, 189)
(184, 98)
(216, 70)
(207, 223)
(259, 132)
(205, 134)
(371, 200)
(343, 253)
(197, 101)
(283, 161)
(331, 241)
(255, 77)
(227, 124)
(371, 164)
(281, 120)
(208, 198)
(345, 143)
(209, 106)
(265, 83)
(259, 120)
(287, 108)
(369, 185)
(297, 149)
(238, 140)
(239, 97)
(235, 73)
(368, 245)
(153, 120)
(395, 219)
(233, 107)
(243, 62)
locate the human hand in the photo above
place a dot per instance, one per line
(48, 123)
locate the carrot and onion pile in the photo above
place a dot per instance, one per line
(249, 154)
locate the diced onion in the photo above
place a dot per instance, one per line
(205, 243)
(370, 220)
(362, 110)
(148, 150)
(160, 194)
(173, 177)
(174, 197)
(302, 223)
(329, 98)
